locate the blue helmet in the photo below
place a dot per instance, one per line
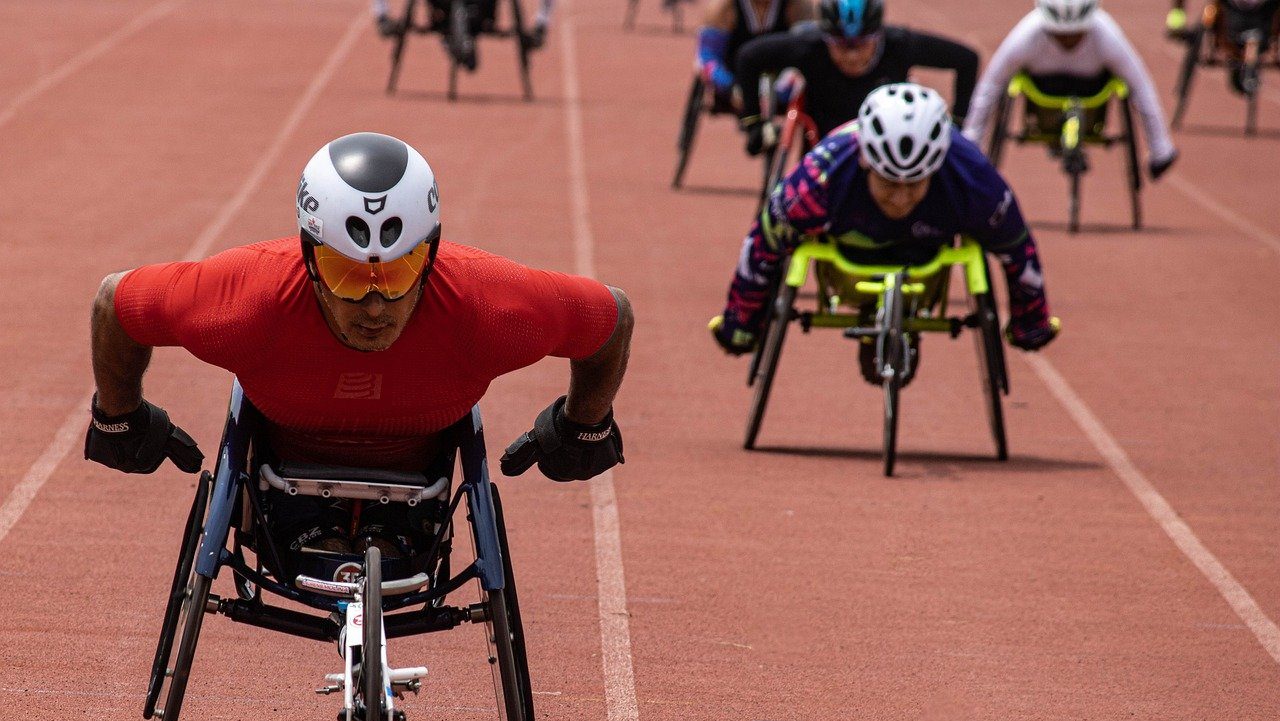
(851, 18)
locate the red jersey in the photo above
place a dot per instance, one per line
(252, 310)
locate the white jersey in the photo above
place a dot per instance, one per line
(1030, 48)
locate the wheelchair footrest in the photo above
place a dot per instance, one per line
(342, 589)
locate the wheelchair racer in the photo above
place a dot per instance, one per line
(906, 183)
(359, 339)
(1072, 48)
(848, 55)
(729, 24)
(1235, 21)
(483, 15)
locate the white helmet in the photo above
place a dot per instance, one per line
(1067, 16)
(370, 197)
(905, 131)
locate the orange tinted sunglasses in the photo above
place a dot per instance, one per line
(353, 280)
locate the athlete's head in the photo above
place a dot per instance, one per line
(854, 32)
(1067, 17)
(904, 132)
(369, 219)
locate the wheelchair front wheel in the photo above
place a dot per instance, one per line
(771, 351)
(177, 594)
(891, 352)
(505, 635)
(372, 684)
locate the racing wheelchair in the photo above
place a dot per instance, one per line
(671, 6)
(907, 301)
(229, 528)
(1066, 124)
(1213, 42)
(460, 23)
(795, 134)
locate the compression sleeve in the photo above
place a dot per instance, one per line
(931, 51)
(1007, 60)
(1123, 60)
(798, 206)
(713, 45)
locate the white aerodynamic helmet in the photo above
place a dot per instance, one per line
(1067, 16)
(904, 131)
(369, 215)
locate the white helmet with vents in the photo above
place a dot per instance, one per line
(370, 197)
(904, 131)
(1067, 16)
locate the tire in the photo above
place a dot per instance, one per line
(522, 51)
(371, 681)
(1251, 105)
(193, 618)
(1073, 218)
(505, 633)
(1000, 133)
(1186, 73)
(991, 366)
(771, 297)
(772, 351)
(891, 351)
(177, 593)
(1132, 168)
(688, 130)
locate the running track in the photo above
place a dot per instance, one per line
(791, 584)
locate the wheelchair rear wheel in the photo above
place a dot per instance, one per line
(770, 297)
(891, 354)
(193, 610)
(1000, 133)
(1251, 101)
(522, 49)
(371, 681)
(991, 366)
(688, 129)
(177, 594)
(505, 635)
(1186, 73)
(785, 155)
(1132, 169)
(771, 351)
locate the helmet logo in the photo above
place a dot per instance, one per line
(373, 206)
(306, 201)
(433, 198)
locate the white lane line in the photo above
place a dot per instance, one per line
(88, 55)
(1266, 631)
(615, 624)
(36, 476)
(1248, 227)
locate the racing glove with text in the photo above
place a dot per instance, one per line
(139, 441)
(564, 449)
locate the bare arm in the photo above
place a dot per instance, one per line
(118, 360)
(594, 381)
(722, 15)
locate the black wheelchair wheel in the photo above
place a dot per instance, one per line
(772, 351)
(1000, 133)
(505, 634)
(991, 366)
(629, 20)
(688, 129)
(522, 50)
(891, 353)
(177, 593)
(1186, 73)
(1132, 169)
(770, 297)
(781, 158)
(1251, 102)
(1073, 217)
(371, 681)
(193, 610)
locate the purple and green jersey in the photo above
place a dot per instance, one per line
(827, 195)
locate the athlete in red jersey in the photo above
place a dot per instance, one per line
(357, 345)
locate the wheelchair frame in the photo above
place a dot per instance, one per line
(1207, 45)
(1072, 136)
(909, 300)
(787, 153)
(227, 514)
(457, 9)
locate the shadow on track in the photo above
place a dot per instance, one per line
(468, 98)
(983, 461)
(1228, 131)
(657, 29)
(722, 190)
(1087, 229)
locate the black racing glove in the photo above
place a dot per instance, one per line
(565, 450)
(754, 127)
(138, 442)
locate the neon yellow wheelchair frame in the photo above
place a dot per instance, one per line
(1023, 85)
(968, 255)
